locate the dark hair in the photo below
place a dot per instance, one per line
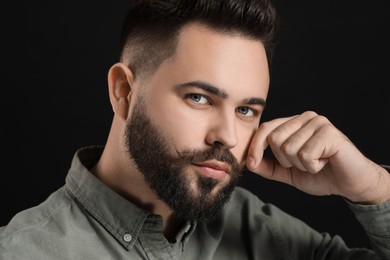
(150, 28)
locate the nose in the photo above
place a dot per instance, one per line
(222, 132)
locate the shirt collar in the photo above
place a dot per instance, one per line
(117, 215)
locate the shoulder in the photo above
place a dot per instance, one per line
(246, 225)
(241, 194)
(45, 220)
(245, 200)
(248, 211)
(248, 207)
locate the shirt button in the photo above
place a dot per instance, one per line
(127, 237)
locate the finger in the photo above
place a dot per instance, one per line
(310, 183)
(292, 146)
(280, 138)
(272, 170)
(315, 153)
(259, 141)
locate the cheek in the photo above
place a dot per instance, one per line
(245, 138)
(181, 125)
(184, 133)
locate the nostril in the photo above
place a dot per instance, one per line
(218, 144)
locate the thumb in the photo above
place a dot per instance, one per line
(265, 168)
(273, 170)
(250, 161)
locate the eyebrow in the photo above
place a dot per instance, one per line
(255, 101)
(206, 87)
(221, 93)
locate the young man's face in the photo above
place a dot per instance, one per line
(194, 119)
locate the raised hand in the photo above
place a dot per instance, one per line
(317, 158)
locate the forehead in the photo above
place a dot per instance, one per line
(229, 61)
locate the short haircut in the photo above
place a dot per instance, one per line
(151, 27)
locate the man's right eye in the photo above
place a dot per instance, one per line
(197, 98)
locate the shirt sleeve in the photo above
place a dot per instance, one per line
(300, 241)
(375, 220)
(275, 234)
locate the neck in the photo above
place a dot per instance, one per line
(171, 224)
(130, 184)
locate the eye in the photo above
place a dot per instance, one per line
(198, 98)
(246, 111)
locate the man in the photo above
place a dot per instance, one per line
(187, 96)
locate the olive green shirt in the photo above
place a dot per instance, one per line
(87, 220)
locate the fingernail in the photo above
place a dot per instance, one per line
(252, 162)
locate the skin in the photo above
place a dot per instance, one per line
(315, 157)
(312, 154)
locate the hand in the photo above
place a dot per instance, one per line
(315, 157)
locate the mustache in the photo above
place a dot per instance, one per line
(213, 153)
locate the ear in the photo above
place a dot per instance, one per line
(120, 82)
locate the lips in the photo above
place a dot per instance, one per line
(213, 169)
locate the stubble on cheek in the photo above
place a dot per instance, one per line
(168, 171)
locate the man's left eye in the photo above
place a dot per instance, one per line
(246, 111)
(198, 98)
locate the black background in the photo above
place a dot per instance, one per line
(332, 58)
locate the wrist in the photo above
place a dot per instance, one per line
(379, 192)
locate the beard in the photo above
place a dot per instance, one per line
(164, 170)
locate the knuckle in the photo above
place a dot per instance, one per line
(304, 155)
(328, 128)
(264, 126)
(273, 137)
(280, 133)
(309, 113)
(288, 149)
(285, 164)
(320, 119)
(314, 166)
